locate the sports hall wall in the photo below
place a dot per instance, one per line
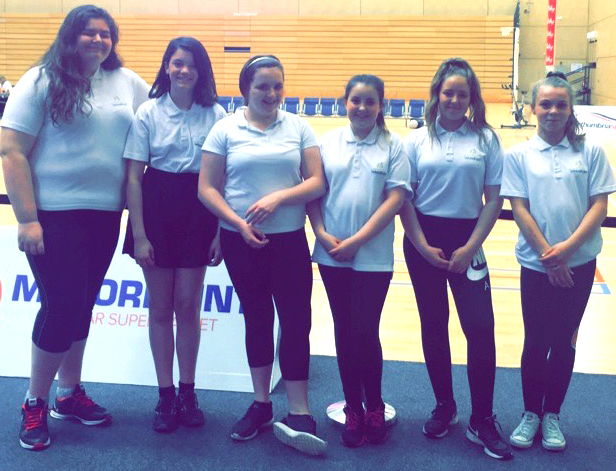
(322, 43)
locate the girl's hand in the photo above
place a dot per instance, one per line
(560, 276)
(558, 254)
(215, 252)
(263, 208)
(30, 238)
(435, 257)
(254, 237)
(328, 241)
(460, 260)
(345, 250)
(144, 253)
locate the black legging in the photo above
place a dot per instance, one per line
(356, 300)
(472, 295)
(79, 245)
(281, 273)
(551, 318)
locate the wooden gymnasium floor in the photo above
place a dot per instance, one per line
(400, 324)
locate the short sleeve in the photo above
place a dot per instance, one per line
(308, 138)
(140, 91)
(399, 172)
(410, 148)
(217, 140)
(494, 164)
(138, 141)
(513, 183)
(600, 176)
(25, 109)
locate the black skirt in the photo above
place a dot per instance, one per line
(177, 224)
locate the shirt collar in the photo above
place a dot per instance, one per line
(440, 130)
(541, 145)
(243, 122)
(171, 108)
(368, 140)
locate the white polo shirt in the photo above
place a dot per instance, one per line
(78, 165)
(261, 162)
(358, 175)
(168, 138)
(558, 183)
(451, 174)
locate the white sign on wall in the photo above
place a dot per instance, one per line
(118, 348)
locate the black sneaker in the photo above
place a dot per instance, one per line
(300, 432)
(353, 431)
(258, 416)
(33, 433)
(484, 432)
(376, 430)
(79, 407)
(443, 416)
(166, 418)
(188, 410)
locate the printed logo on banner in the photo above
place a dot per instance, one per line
(597, 121)
(133, 294)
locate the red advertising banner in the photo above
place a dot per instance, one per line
(549, 48)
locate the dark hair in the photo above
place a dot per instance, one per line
(250, 69)
(204, 92)
(573, 128)
(376, 83)
(69, 88)
(456, 66)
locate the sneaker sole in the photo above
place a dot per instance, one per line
(552, 447)
(453, 421)
(56, 415)
(240, 438)
(36, 446)
(521, 444)
(301, 441)
(475, 439)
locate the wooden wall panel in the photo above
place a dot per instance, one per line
(319, 53)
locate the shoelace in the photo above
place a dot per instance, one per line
(489, 428)
(526, 425)
(375, 418)
(34, 417)
(83, 399)
(353, 420)
(552, 426)
(188, 401)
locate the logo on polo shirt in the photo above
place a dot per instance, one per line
(117, 101)
(381, 168)
(474, 154)
(578, 167)
(478, 269)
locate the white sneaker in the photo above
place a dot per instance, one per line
(524, 434)
(553, 438)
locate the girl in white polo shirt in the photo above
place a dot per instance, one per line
(63, 133)
(171, 235)
(368, 177)
(558, 183)
(455, 161)
(260, 167)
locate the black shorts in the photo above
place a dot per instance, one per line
(177, 224)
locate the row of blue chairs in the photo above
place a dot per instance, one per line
(312, 106)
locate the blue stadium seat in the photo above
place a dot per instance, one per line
(340, 107)
(291, 104)
(310, 106)
(416, 108)
(396, 108)
(225, 102)
(328, 106)
(237, 102)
